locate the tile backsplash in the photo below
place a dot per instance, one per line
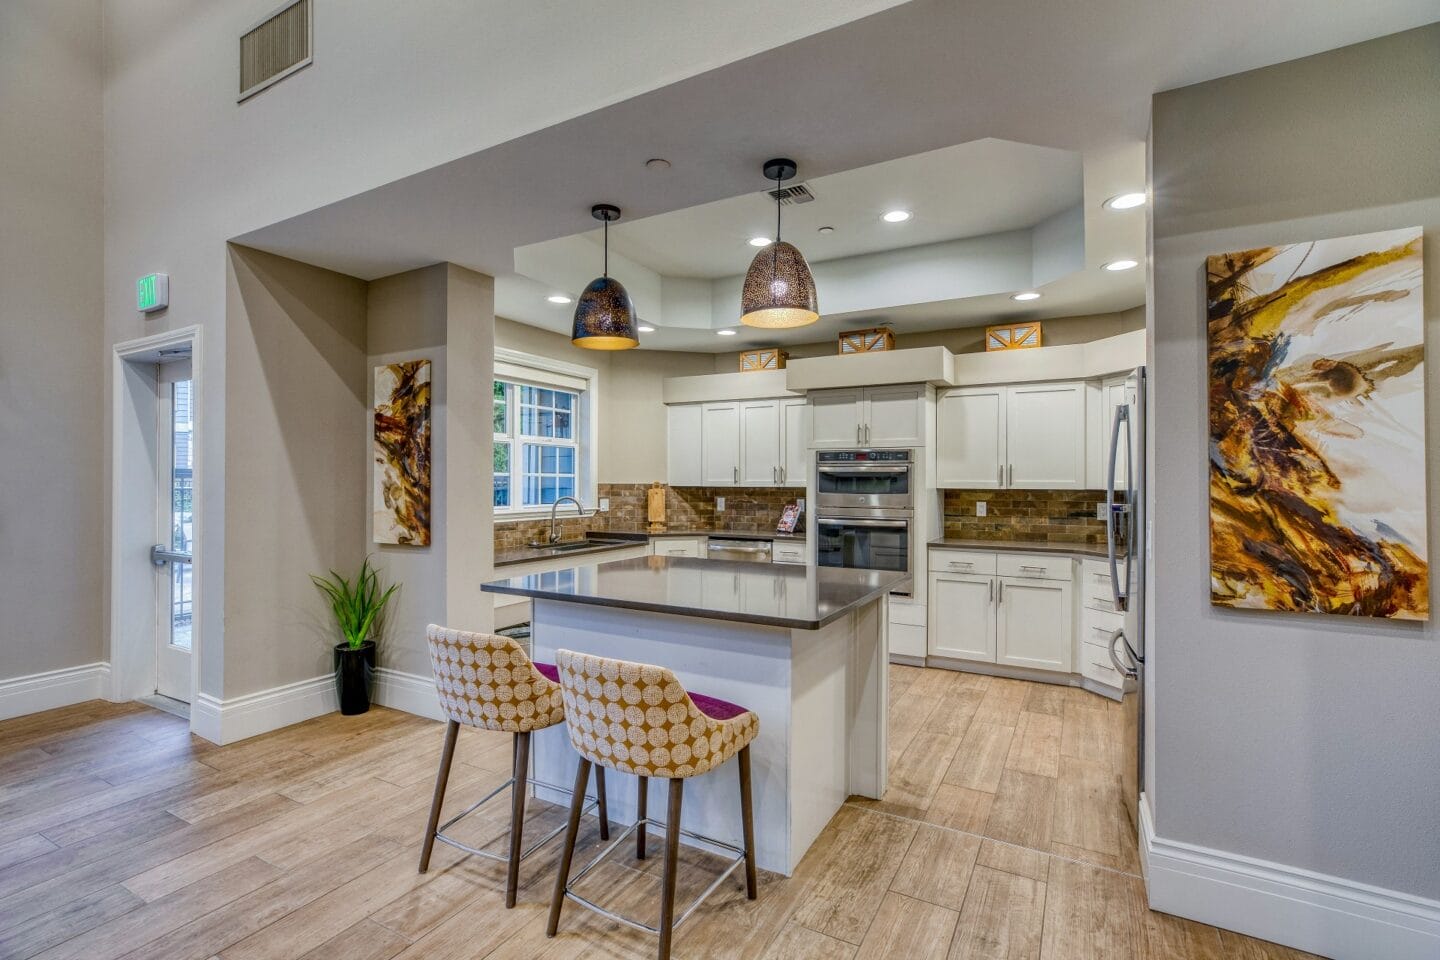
(747, 509)
(1051, 516)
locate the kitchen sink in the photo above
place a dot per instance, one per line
(587, 543)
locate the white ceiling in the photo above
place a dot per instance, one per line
(921, 77)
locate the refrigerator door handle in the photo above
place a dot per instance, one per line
(1122, 420)
(1129, 672)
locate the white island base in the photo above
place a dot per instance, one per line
(820, 695)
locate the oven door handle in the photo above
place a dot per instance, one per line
(863, 468)
(848, 522)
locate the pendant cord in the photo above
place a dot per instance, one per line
(775, 247)
(606, 272)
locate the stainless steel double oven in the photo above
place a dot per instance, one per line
(864, 508)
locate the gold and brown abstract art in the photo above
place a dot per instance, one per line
(1317, 427)
(402, 453)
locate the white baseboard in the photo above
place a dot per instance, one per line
(1320, 914)
(239, 718)
(407, 691)
(53, 688)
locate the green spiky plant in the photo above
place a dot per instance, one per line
(357, 606)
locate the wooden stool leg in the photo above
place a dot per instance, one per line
(517, 815)
(567, 852)
(447, 753)
(672, 863)
(747, 821)
(642, 798)
(602, 811)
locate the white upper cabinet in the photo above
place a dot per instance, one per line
(891, 416)
(721, 444)
(795, 462)
(1028, 436)
(970, 448)
(684, 449)
(760, 443)
(1045, 436)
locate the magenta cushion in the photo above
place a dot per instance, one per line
(715, 708)
(549, 671)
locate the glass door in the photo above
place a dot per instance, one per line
(175, 536)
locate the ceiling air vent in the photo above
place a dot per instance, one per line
(275, 47)
(800, 193)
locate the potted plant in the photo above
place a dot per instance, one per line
(356, 608)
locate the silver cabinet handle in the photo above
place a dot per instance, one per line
(961, 563)
(992, 589)
(867, 434)
(999, 474)
(1036, 569)
(857, 434)
(1002, 591)
(737, 474)
(1012, 474)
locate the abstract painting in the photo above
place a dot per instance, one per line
(402, 453)
(1317, 427)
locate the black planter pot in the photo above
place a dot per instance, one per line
(354, 670)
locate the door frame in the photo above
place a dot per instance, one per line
(134, 459)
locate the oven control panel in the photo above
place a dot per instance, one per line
(863, 456)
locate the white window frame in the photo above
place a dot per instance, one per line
(513, 366)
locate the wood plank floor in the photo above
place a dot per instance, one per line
(1001, 837)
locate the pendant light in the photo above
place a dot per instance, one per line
(779, 290)
(604, 316)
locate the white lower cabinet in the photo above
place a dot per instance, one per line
(677, 547)
(1011, 609)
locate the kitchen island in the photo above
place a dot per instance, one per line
(802, 646)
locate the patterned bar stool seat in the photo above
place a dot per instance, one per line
(638, 719)
(488, 681)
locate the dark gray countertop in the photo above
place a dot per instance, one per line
(1093, 550)
(631, 538)
(781, 595)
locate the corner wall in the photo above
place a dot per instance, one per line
(1296, 754)
(52, 350)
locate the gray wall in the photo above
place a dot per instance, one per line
(1310, 741)
(52, 345)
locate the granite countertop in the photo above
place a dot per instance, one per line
(1093, 550)
(630, 539)
(805, 598)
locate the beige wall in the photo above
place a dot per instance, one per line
(52, 345)
(1305, 740)
(1058, 332)
(632, 413)
(296, 473)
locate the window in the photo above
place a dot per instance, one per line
(543, 448)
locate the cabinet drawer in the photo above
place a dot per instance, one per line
(1095, 664)
(962, 561)
(665, 547)
(789, 551)
(1097, 596)
(1035, 567)
(907, 611)
(1097, 626)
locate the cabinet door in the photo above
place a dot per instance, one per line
(895, 416)
(836, 417)
(684, 450)
(720, 437)
(1036, 623)
(794, 442)
(970, 442)
(1045, 436)
(962, 616)
(760, 443)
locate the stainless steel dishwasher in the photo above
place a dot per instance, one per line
(750, 551)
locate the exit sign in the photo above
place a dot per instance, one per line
(152, 292)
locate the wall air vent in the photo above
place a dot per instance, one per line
(800, 193)
(275, 48)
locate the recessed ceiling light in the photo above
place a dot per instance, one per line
(897, 216)
(725, 333)
(1125, 201)
(759, 241)
(645, 328)
(657, 163)
(1027, 295)
(826, 230)
(558, 298)
(1125, 264)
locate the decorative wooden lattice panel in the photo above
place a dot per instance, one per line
(1013, 336)
(873, 340)
(765, 358)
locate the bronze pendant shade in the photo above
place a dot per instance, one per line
(604, 315)
(779, 290)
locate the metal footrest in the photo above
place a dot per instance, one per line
(570, 894)
(591, 805)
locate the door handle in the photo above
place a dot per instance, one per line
(160, 556)
(1128, 672)
(999, 474)
(858, 430)
(1001, 591)
(1012, 474)
(736, 473)
(1122, 418)
(992, 589)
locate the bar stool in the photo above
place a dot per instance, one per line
(638, 719)
(488, 681)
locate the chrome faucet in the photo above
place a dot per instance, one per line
(579, 507)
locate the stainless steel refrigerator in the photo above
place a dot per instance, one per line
(1125, 539)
